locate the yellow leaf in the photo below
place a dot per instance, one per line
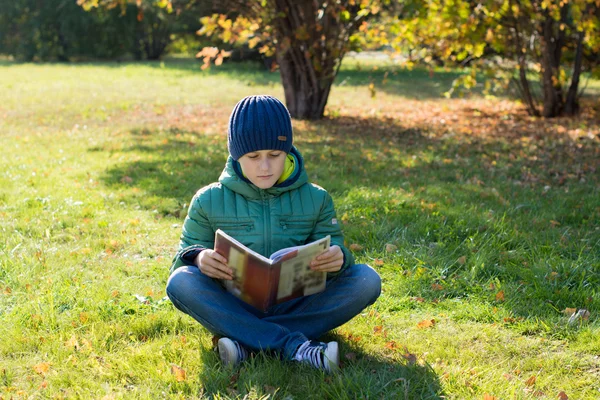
(72, 343)
(378, 262)
(427, 323)
(42, 368)
(83, 317)
(569, 311)
(179, 373)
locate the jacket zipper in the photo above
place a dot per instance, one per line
(267, 219)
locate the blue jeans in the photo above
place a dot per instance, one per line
(284, 326)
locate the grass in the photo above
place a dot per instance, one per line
(490, 217)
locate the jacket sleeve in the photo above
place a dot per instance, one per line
(327, 224)
(197, 235)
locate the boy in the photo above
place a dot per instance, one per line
(264, 200)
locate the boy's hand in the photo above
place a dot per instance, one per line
(330, 260)
(214, 265)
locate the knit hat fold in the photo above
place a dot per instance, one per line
(259, 123)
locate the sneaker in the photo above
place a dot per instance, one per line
(231, 352)
(324, 356)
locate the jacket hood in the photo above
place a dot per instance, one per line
(232, 178)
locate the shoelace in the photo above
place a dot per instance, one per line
(313, 353)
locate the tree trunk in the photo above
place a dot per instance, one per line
(311, 43)
(305, 98)
(552, 43)
(572, 102)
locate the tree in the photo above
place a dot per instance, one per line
(154, 21)
(309, 40)
(554, 39)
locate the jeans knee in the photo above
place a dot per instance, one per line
(370, 282)
(177, 285)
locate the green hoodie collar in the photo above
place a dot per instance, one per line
(232, 178)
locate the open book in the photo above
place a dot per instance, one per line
(263, 282)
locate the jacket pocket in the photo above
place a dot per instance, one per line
(297, 226)
(234, 227)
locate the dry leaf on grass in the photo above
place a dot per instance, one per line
(500, 296)
(427, 323)
(42, 368)
(563, 396)
(179, 373)
(531, 381)
(489, 397)
(436, 286)
(390, 248)
(569, 311)
(356, 247)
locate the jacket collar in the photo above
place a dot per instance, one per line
(232, 178)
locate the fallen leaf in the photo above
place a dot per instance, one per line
(411, 358)
(554, 223)
(7, 290)
(500, 296)
(44, 385)
(489, 397)
(378, 330)
(179, 373)
(418, 299)
(42, 368)
(569, 311)
(427, 323)
(356, 247)
(83, 317)
(391, 248)
(462, 260)
(72, 343)
(563, 396)
(391, 345)
(436, 286)
(378, 262)
(530, 381)
(127, 179)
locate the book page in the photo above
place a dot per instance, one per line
(296, 274)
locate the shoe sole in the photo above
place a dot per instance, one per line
(332, 355)
(227, 351)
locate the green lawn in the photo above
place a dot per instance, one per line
(483, 223)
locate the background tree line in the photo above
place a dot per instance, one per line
(541, 49)
(61, 30)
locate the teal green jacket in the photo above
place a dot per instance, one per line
(292, 213)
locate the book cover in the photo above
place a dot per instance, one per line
(263, 282)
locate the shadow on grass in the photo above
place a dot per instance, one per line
(360, 376)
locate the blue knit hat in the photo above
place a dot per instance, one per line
(259, 123)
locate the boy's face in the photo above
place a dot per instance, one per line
(263, 167)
